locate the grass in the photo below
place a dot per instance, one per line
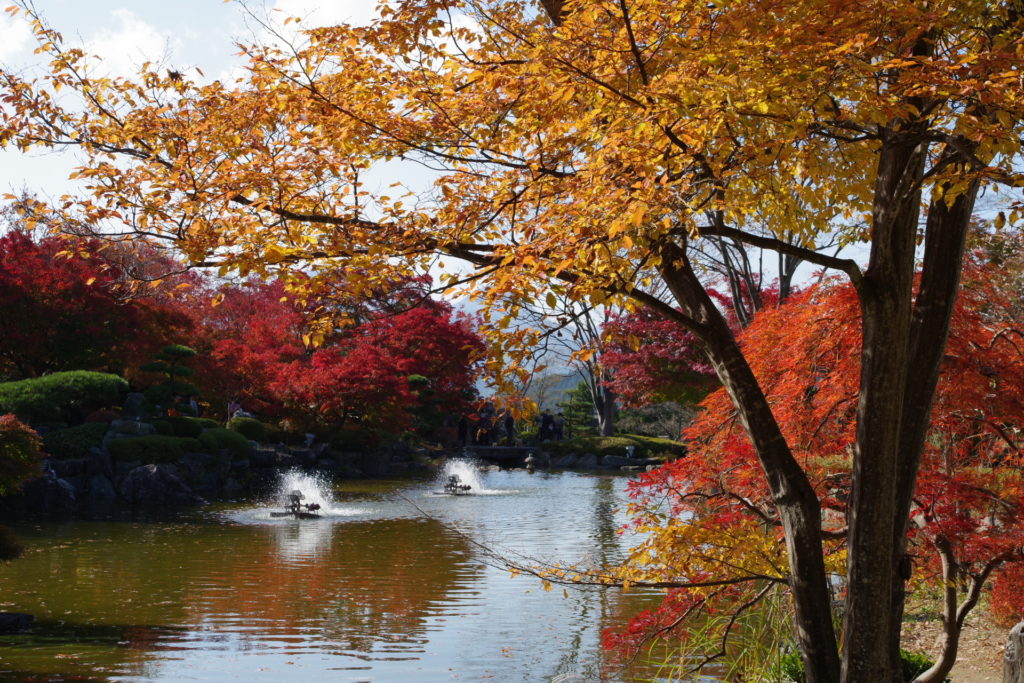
(644, 446)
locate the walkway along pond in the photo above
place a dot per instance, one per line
(372, 591)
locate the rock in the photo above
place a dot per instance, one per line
(327, 465)
(630, 468)
(588, 462)
(41, 498)
(233, 487)
(101, 490)
(195, 464)
(127, 428)
(72, 467)
(80, 484)
(303, 456)
(156, 485)
(100, 462)
(616, 461)
(240, 467)
(263, 457)
(1013, 659)
(210, 484)
(121, 469)
(14, 622)
(565, 461)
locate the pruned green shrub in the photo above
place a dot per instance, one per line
(153, 449)
(167, 394)
(643, 446)
(163, 427)
(74, 442)
(20, 454)
(251, 428)
(48, 398)
(207, 423)
(216, 440)
(186, 426)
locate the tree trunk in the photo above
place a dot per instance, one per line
(607, 411)
(1013, 660)
(792, 493)
(945, 237)
(871, 644)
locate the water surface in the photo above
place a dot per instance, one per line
(392, 584)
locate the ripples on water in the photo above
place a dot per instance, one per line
(378, 589)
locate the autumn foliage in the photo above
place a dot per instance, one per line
(720, 527)
(651, 359)
(66, 306)
(64, 309)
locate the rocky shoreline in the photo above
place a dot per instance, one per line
(99, 484)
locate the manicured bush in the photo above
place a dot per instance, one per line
(207, 423)
(153, 449)
(163, 427)
(186, 426)
(216, 440)
(20, 454)
(643, 446)
(48, 398)
(250, 428)
(74, 442)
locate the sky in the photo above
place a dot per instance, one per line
(185, 34)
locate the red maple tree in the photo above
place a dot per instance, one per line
(966, 520)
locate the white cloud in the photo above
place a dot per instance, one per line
(132, 41)
(318, 13)
(15, 36)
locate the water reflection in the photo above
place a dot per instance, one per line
(374, 592)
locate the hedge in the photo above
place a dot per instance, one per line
(46, 398)
(186, 426)
(644, 446)
(153, 449)
(251, 428)
(74, 442)
(216, 440)
(163, 427)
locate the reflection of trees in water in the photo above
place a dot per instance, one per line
(151, 587)
(602, 605)
(610, 608)
(363, 584)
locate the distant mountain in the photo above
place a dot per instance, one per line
(549, 390)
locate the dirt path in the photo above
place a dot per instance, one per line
(980, 659)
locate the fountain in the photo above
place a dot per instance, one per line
(303, 496)
(460, 477)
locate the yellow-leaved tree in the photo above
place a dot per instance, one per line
(580, 148)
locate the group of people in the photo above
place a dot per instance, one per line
(552, 427)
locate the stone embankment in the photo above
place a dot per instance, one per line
(99, 484)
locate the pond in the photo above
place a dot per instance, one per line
(392, 584)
